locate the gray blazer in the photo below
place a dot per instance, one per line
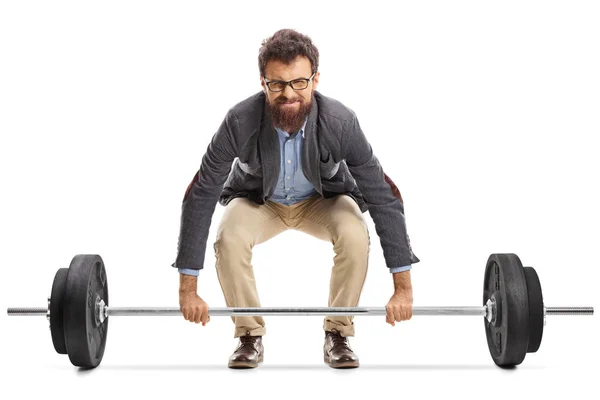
(336, 159)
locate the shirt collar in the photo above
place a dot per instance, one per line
(301, 129)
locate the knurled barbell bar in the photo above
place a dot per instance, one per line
(513, 310)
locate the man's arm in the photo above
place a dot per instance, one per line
(188, 284)
(402, 283)
(380, 194)
(202, 194)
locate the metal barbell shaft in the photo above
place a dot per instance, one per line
(569, 310)
(326, 311)
(262, 311)
(27, 311)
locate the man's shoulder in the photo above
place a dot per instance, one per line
(332, 108)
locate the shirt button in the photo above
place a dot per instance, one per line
(287, 189)
(288, 177)
(289, 161)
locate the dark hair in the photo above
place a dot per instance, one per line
(285, 45)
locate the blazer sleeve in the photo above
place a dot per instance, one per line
(381, 195)
(202, 194)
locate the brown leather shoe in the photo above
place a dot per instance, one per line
(248, 353)
(337, 352)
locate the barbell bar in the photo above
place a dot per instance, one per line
(513, 310)
(105, 311)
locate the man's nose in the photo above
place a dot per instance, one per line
(288, 92)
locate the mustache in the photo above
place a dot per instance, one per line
(287, 101)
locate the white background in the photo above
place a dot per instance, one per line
(485, 114)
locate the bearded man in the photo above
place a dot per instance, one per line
(301, 162)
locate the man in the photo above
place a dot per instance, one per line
(303, 163)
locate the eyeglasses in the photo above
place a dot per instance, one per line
(296, 84)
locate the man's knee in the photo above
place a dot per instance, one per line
(232, 242)
(232, 250)
(353, 236)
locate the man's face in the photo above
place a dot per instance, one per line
(289, 107)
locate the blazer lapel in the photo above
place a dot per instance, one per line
(310, 149)
(268, 147)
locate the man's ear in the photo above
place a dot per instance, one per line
(263, 85)
(316, 80)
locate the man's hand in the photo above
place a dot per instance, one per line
(399, 308)
(194, 308)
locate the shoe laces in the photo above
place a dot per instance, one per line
(338, 339)
(248, 340)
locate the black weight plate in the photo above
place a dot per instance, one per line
(56, 310)
(509, 337)
(86, 282)
(536, 309)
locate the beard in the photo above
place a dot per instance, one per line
(289, 119)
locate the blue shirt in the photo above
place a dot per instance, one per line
(292, 186)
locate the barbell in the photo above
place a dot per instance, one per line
(513, 310)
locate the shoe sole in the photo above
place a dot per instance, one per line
(244, 364)
(342, 365)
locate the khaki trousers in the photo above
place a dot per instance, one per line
(245, 224)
